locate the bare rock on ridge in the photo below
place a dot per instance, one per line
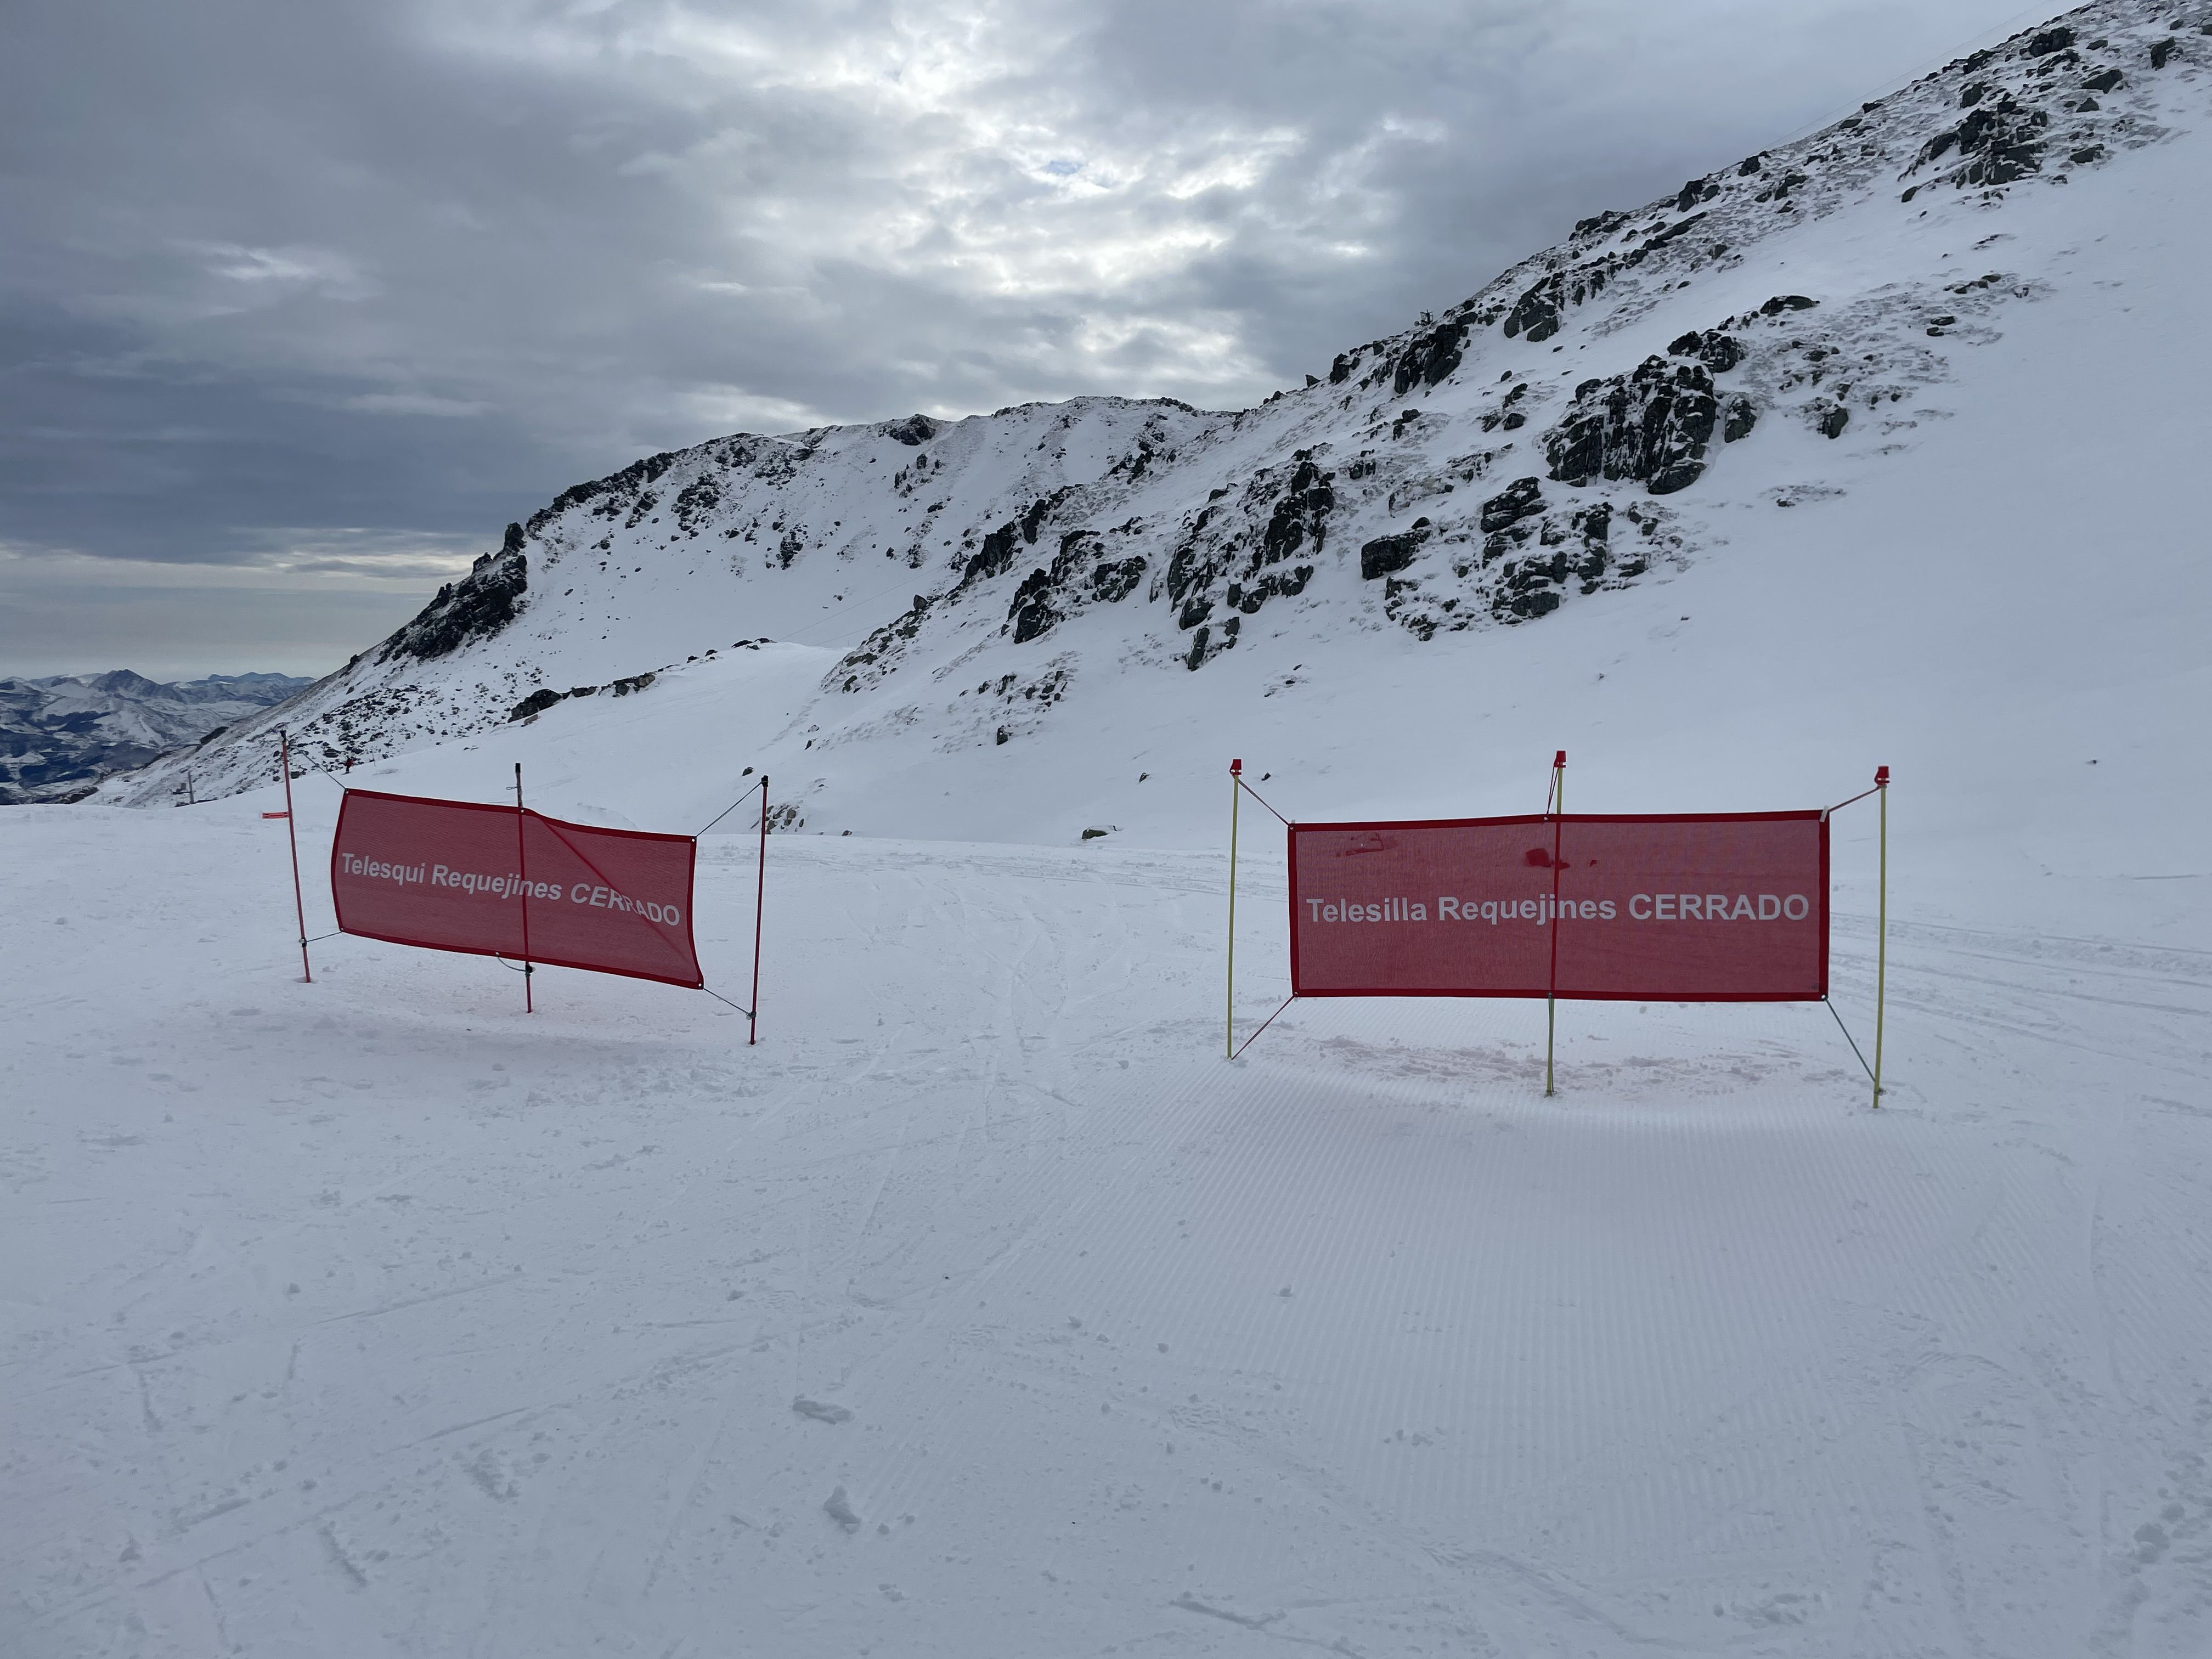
(478, 605)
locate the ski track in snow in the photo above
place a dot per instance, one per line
(984, 1309)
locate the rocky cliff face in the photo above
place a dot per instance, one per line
(1583, 422)
(475, 607)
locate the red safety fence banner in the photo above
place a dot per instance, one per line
(453, 875)
(1727, 907)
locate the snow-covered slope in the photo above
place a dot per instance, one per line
(1716, 380)
(983, 1309)
(1959, 536)
(60, 734)
(983, 1312)
(807, 536)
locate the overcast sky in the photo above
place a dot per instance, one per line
(302, 301)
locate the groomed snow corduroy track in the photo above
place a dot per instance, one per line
(984, 1309)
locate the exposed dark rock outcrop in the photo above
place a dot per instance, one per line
(1524, 498)
(1508, 414)
(1032, 612)
(1536, 313)
(867, 662)
(1301, 516)
(1539, 560)
(996, 556)
(1718, 351)
(1115, 579)
(1653, 426)
(1386, 554)
(476, 606)
(1244, 550)
(613, 493)
(696, 503)
(1999, 141)
(1084, 571)
(1530, 588)
(1429, 356)
(544, 698)
(1527, 565)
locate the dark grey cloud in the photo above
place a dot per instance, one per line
(319, 296)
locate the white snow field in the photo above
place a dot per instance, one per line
(985, 1310)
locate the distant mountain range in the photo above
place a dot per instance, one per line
(59, 736)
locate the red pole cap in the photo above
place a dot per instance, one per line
(1882, 777)
(1235, 766)
(1559, 759)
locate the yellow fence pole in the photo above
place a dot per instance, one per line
(292, 831)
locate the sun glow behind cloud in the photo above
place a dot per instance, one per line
(953, 151)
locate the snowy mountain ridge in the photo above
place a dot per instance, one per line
(61, 733)
(1597, 418)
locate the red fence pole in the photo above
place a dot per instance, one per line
(1551, 998)
(760, 897)
(292, 829)
(522, 869)
(1881, 934)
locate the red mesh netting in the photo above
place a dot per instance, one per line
(461, 876)
(1718, 907)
